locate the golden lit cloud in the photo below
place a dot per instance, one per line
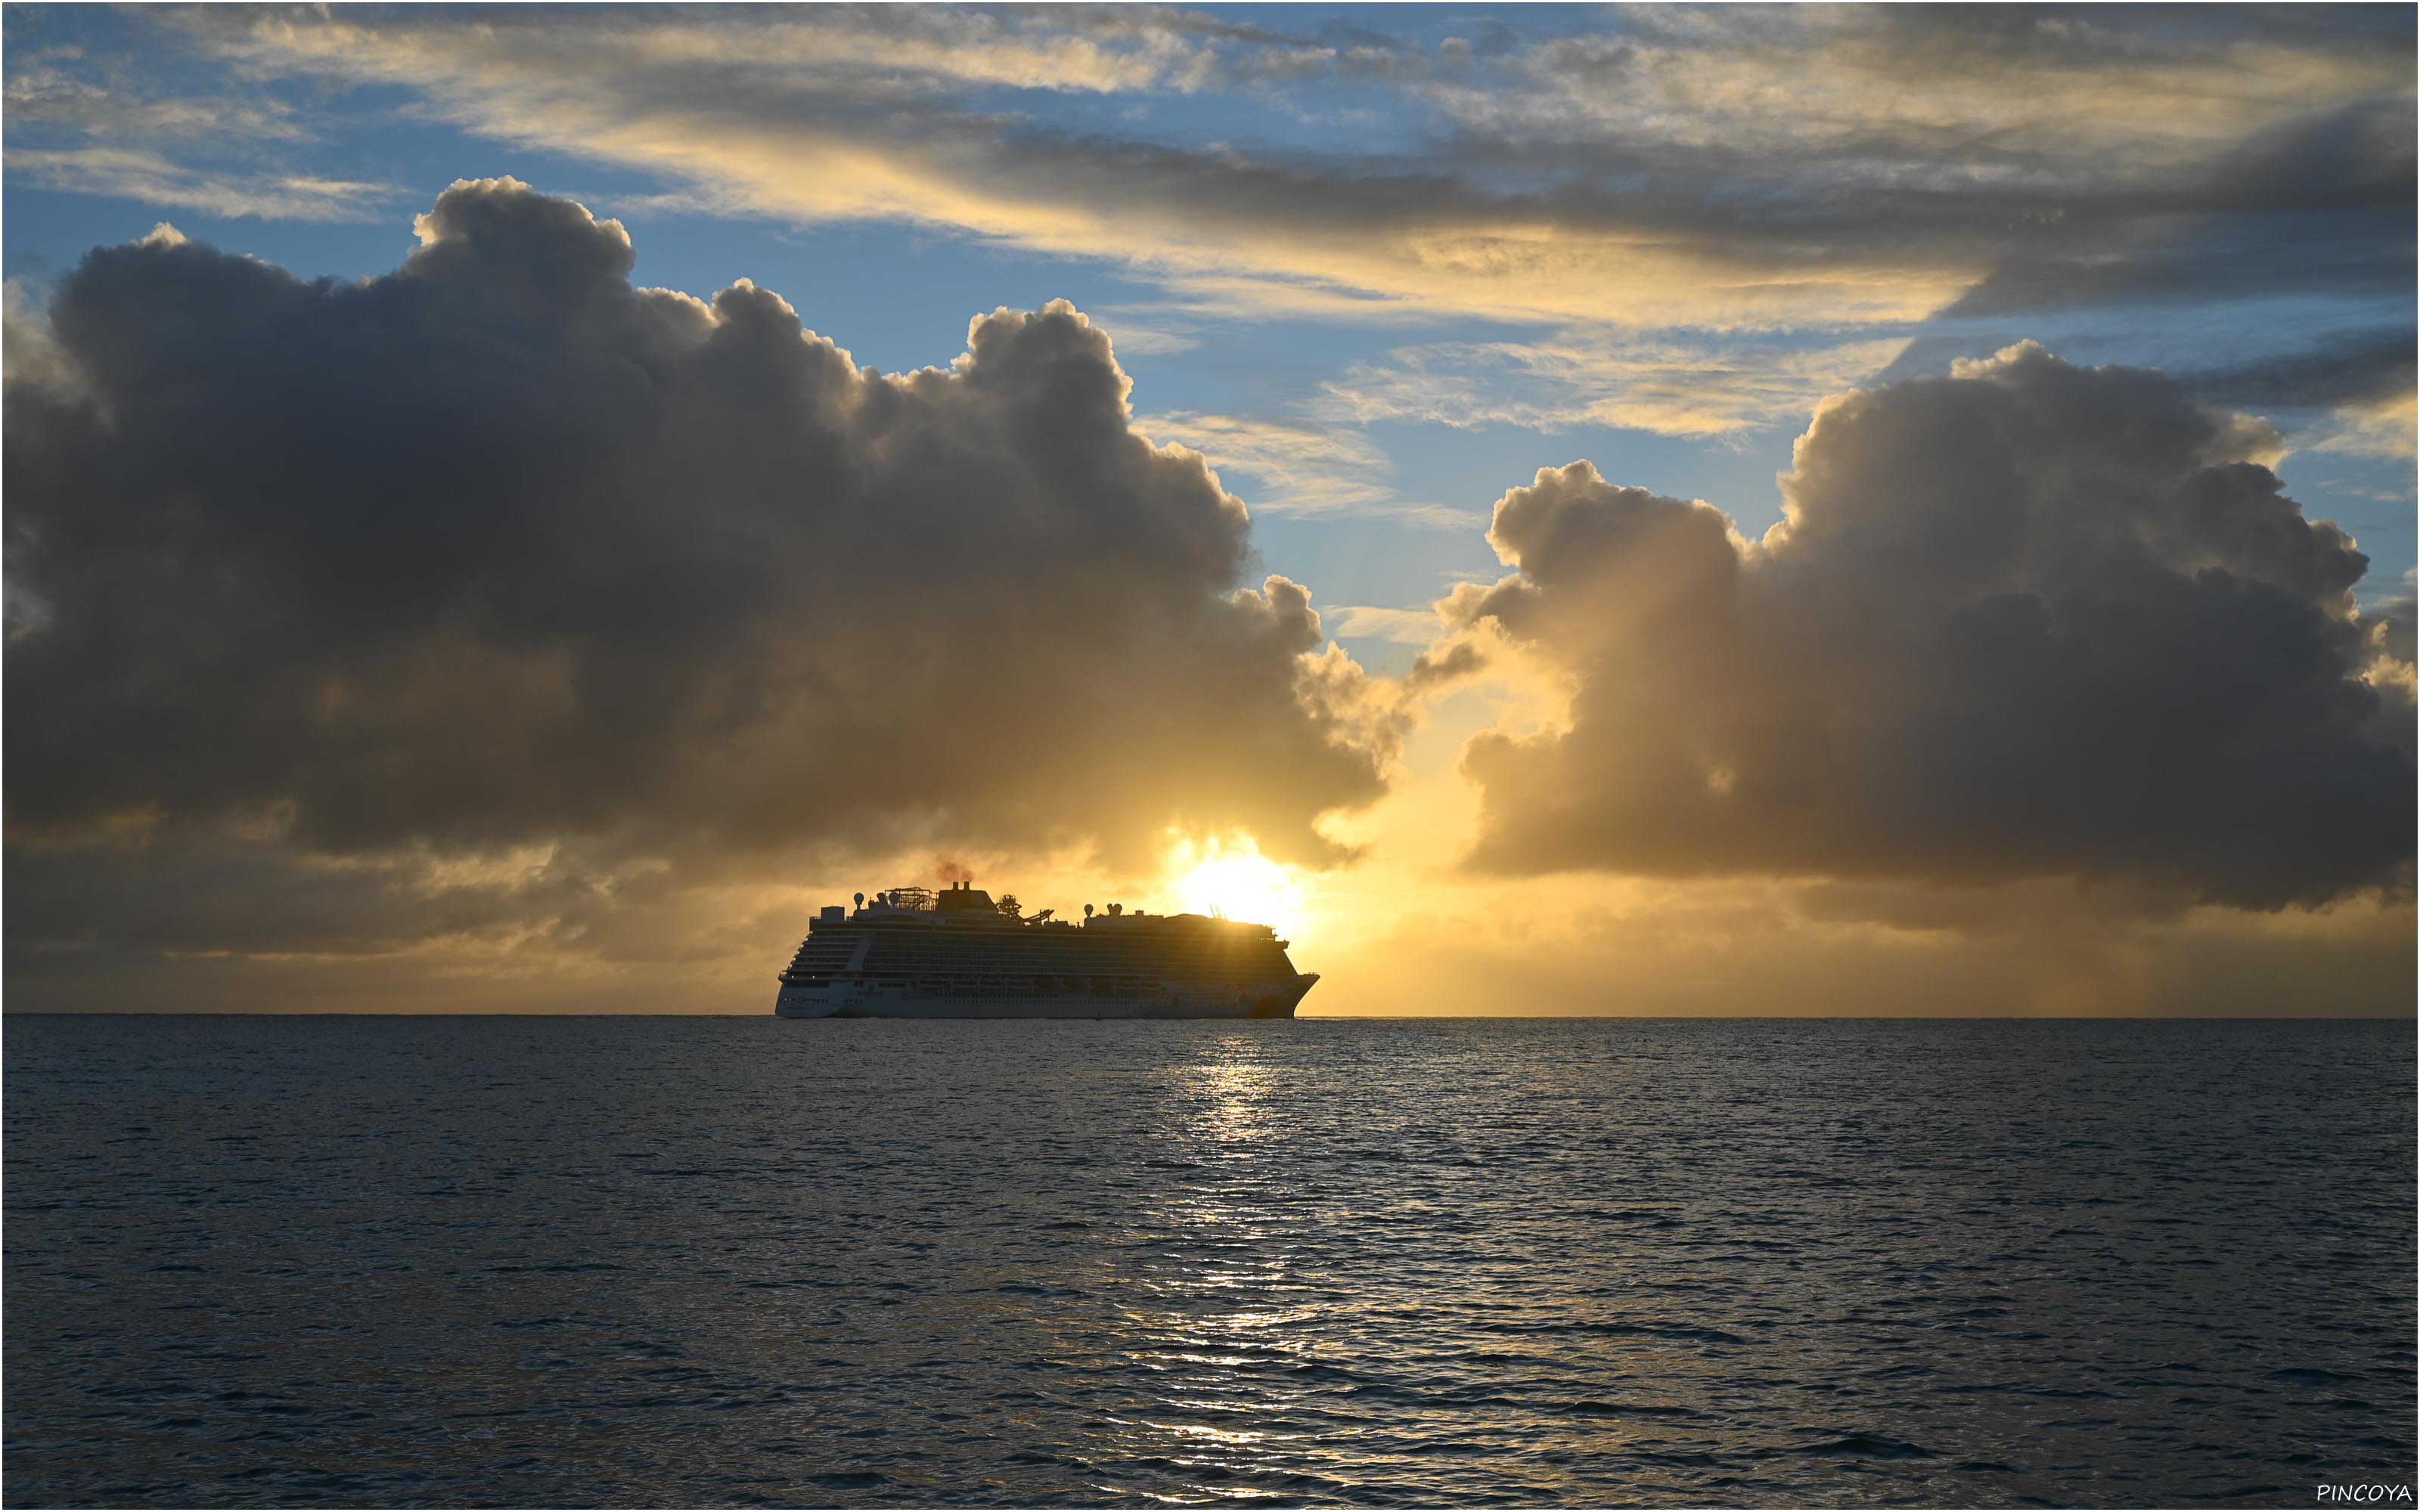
(757, 141)
(2381, 426)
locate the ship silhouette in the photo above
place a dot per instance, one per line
(957, 953)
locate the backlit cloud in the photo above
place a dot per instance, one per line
(2028, 619)
(497, 552)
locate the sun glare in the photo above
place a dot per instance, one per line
(1240, 884)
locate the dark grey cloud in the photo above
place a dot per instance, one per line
(2031, 620)
(2316, 206)
(2276, 373)
(2363, 365)
(497, 549)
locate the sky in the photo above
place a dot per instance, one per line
(1563, 509)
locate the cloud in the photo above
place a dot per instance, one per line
(1140, 340)
(1734, 947)
(2381, 426)
(1644, 175)
(2314, 204)
(2387, 650)
(496, 557)
(66, 89)
(102, 121)
(30, 354)
(141, 175)
(1671, 387)
(2028, 619)
(1945, 98)
(1651, 169)
(1410, 627)
(1307, 470)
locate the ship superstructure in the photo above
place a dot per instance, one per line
(957, 953)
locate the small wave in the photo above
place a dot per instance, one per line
(1870, 1446)
(2308, 1376)
(1592, 1408)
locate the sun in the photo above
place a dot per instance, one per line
(1241, 884)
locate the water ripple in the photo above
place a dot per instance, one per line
(548, 1262)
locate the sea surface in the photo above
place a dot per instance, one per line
(734, 1261)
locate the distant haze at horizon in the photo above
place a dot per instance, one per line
(1554, 514)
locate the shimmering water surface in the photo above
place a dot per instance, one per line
(730, 1261)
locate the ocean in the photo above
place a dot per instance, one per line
(613, 1261)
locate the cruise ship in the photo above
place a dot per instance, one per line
(956, 953)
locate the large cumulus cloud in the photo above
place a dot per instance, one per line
(2027, 620)
(497, 549)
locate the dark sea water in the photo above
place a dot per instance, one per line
(612, 1261)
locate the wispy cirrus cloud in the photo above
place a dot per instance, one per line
(1304, 470)
(1376, 622)
(135, 173)
(113, 97)
(1673, 387)
(106, 123)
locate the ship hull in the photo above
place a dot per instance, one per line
(1273, 1000)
